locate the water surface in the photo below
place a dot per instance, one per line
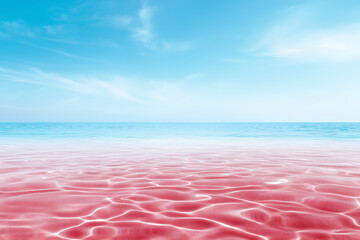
(252, 181)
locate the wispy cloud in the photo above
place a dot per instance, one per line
(105, 43)
(115, 90)
(176, 46)
(116, 87)
(59, 52)
(143, 33)
(121, 21)
(337, 44)
(193, 76)
(54, 29)
(60, 40)
(166, 91)
(296, 38)
(232, 60)
(84, 85)
(18, 27)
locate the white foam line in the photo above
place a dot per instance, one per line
(160, 199)
(297, 203)
(122, 214)
(185, 218)
(212, 205)
(93, 229)
(156, 184)
(333, 184)
(57, 234)
(249, 219)
(95, 210)
(357, 201)
(333, 231)
(28, 191)
(297, 236)
(280, 181)
(334, 194)
(353, 220)
(75, 188)
(167, 225)
(214, 221)
(227, 188)
(274, 208)
(110, 200)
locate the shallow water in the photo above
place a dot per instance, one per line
(179, 190)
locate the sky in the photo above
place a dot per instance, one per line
(179, 61)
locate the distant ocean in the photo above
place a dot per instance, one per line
(133, 131)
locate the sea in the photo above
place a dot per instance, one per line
(180, 181)
(226, 131)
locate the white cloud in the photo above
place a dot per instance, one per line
(121, 21)
(114, 89)
(233, 60)
(53, 79)
(143, 33)
(176, 47)
(337, 44)
(296, 37)
(165, 91)
(139, 25)
(6, 70)
(105, 43)
(54, 29)
(18, 27)
(59, 52)
(60, 40)
(176, 90)
(84, 85)
(193, 76)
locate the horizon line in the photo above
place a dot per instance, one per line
(179, 122)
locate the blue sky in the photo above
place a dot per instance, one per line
(180, 60)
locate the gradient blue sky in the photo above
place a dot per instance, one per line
(180, 60)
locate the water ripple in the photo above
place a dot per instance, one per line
(134, 192)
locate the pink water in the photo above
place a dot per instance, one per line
(139, 191)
